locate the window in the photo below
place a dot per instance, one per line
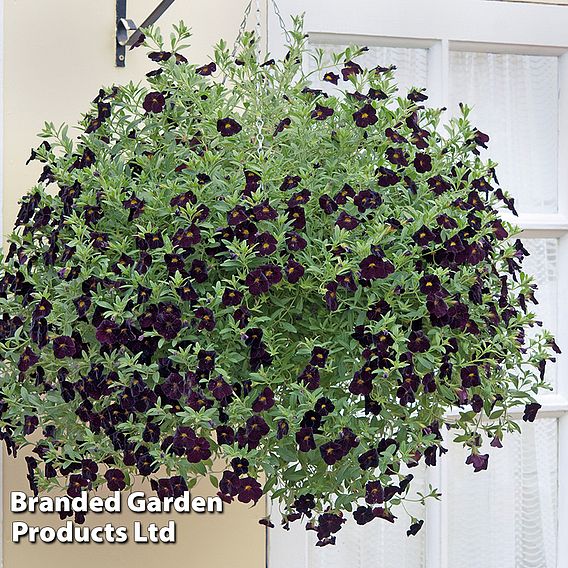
(509, 61)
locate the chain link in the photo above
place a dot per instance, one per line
(258, 25)
(259, 119)
(242, 27)
(281, 22)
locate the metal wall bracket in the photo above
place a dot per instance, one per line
(125, 27)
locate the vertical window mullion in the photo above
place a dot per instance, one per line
(439, 73)
(436, 511)
(562, 385)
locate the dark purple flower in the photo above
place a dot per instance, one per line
(424, 236)
(206, 70)
(470, 377)
(363, 515)
(344, 194)
(282, 125)
(295, 242)
(310, 376)
(374, 267)
(168, 321)
(159, 56)
(366, 116)
(299, 198)
(219, 388)
(229, 483)
(290, 182)
(257, 282)
(322, 112)
(361, 384)
(430, 284)
(27, 359)
(64, 346)
(347, 281)
(237, 215)
(282, 429)
(438, 185)
(378, 310)
(187, 293)
(319, 356)
(249, 490)
(240, 465)
(351, 68)
(228, 127)
(429, 383)
(42, 310)
(397, 156)
(265, 244)
(478, 461)
(151, 433)
(264, 401)
(369, 459)
(264, 212)
(387, 177)
(414, 528)
(422, 163)
(206, 319)
(106, 332)
(367, 199)
(294, 271)
(418, 342)
(531, 411)
(225, 435)
(346, 221)
(115, 480)
(256, 428)
(324, 406)
(199, 450)
(186, 238)
(374, 493)
(30, 424)
(231, 297)
(272, 272)
(305, 439)
(135, 205)
(297, 216)
(183, 199)
(77, 484)
(154, 102)
(331, 77)
(198, 270)
(327, 204)
(331, 452)
(331, 296)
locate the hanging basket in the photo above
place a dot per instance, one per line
(229, 264)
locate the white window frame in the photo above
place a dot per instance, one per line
(442, 26)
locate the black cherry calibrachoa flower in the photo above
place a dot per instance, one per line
(365, 116)
(302, 304)
(228, 127)
(154, 102)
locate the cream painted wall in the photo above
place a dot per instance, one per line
(57, 55)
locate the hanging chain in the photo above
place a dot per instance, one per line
(258, 25)
(281, 22)
(242, 27)
(259, 119)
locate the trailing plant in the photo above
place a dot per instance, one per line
(227, 263)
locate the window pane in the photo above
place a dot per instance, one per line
(515, 100)
(542, 265)
(505, 517)
(411, 64)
